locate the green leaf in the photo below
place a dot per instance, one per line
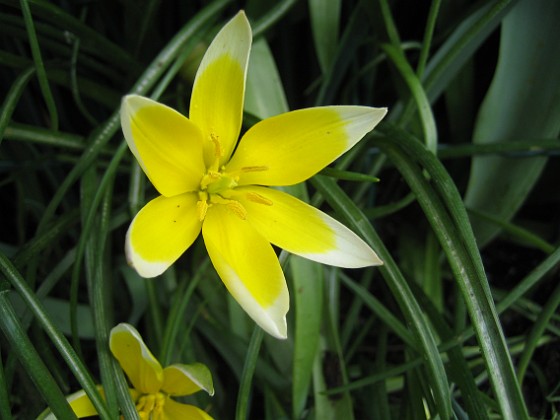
(23, 348)
(264, 96)
(67, 352)
(325, 20)
(445, 211)
(425, 340)
(523, 101)
(307, 292)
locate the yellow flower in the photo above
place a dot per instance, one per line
(208, 184)
(152, 385)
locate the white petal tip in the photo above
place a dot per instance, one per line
(146, 269)
(277, 330)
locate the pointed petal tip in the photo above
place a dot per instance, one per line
(145, 269)
(242, 19)
(276, 329)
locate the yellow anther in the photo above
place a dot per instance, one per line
(234, 206)
(237, 208)
(218, 151)
(201, 209)
(150, 406)
(209, 178)
(254, 168)
(257, 198)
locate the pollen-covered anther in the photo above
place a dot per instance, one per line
(257, 198)
(150, 406)
(201, 209)
(218, 150)
(209, 178)
(232, 205)
(255, 168)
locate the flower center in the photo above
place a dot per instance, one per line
(150, 406)
(216, 185)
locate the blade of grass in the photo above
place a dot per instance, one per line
(245, 384)
(307, 289)
(445, 212)
(39, 67)
(460, 46)
(22, 346)
(67, 352)
(5, 411)
(325, 18)
(521, 234)
(537, 330)
(177, 314)
(396, 55)
(458, 368)
(11, 99)
(380, 310)
(425, 345)
(428, 35)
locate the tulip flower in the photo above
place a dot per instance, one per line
(214, 183)
(152, 386)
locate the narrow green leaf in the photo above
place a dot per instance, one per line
(426, 344)
(424, 109)
(264, 96)
(517, 232)
(460, 46)
(307, 292)
(348, 175)
(10, 101)
(380, 310)
(39, 67)
(459, 371)
(243, 397)
(23, 348)
(455, 235)
(67, 352)
(428, 35)
(537, 330)
(325, 21)
(5, 411)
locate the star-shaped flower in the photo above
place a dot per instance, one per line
(211, 183)
(152, 386)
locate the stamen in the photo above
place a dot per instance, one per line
(201, 209)
(209, 178)
(234, 206)
(254, 168)
(237, 208)
(218, 151)
(257, 198)
(158, 409)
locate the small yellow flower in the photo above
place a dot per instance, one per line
(212, 184)
(152, 385)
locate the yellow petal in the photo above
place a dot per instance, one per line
(166, 144)
(291, 147)
(301, 229)
(139, 364)
(80, 404)
(219, 87)
(248, 267)
(161, 232)
(173, 410)
(179, 380)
